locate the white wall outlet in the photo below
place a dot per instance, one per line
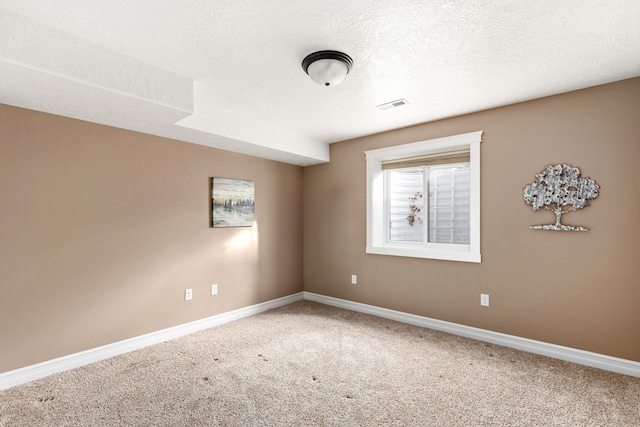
(214, 289)
(484, 300)
(354, 279)
(188, 294)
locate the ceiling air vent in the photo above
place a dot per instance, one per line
(392, 104)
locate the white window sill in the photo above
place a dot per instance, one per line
(463, 255)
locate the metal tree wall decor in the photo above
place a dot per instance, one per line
(560, 189)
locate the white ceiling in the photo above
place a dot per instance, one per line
(227, 73)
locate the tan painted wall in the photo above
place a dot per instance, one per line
(102, 230)
(580, 290)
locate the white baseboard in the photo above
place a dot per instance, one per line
(40, 370)
(600, 361)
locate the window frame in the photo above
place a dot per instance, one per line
(375, 199)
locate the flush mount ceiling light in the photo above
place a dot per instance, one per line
(327, 67)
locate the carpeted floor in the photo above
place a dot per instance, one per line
(308, 364)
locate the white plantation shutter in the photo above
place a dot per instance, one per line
(444, 215)
(403, 185)
(449, 207)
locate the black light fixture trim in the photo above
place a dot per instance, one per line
(327, 54)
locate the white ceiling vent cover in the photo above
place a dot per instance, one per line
(392, 104)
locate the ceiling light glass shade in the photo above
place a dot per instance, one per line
(327, 67)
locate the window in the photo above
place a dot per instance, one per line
(423, 199)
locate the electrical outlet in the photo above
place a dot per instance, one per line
(354, 279)
(214, 289)
(484, 300)
(188, 294)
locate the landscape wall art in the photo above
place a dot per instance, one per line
(232, 202)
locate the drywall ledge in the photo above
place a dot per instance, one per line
(30, 373)
(595, 360)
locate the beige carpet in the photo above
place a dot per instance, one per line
(307, 364)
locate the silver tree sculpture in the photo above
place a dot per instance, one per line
(560, 189)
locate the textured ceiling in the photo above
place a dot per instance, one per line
(227, 73)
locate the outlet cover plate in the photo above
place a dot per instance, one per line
(484, 300)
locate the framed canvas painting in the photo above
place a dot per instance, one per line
(232, 202)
